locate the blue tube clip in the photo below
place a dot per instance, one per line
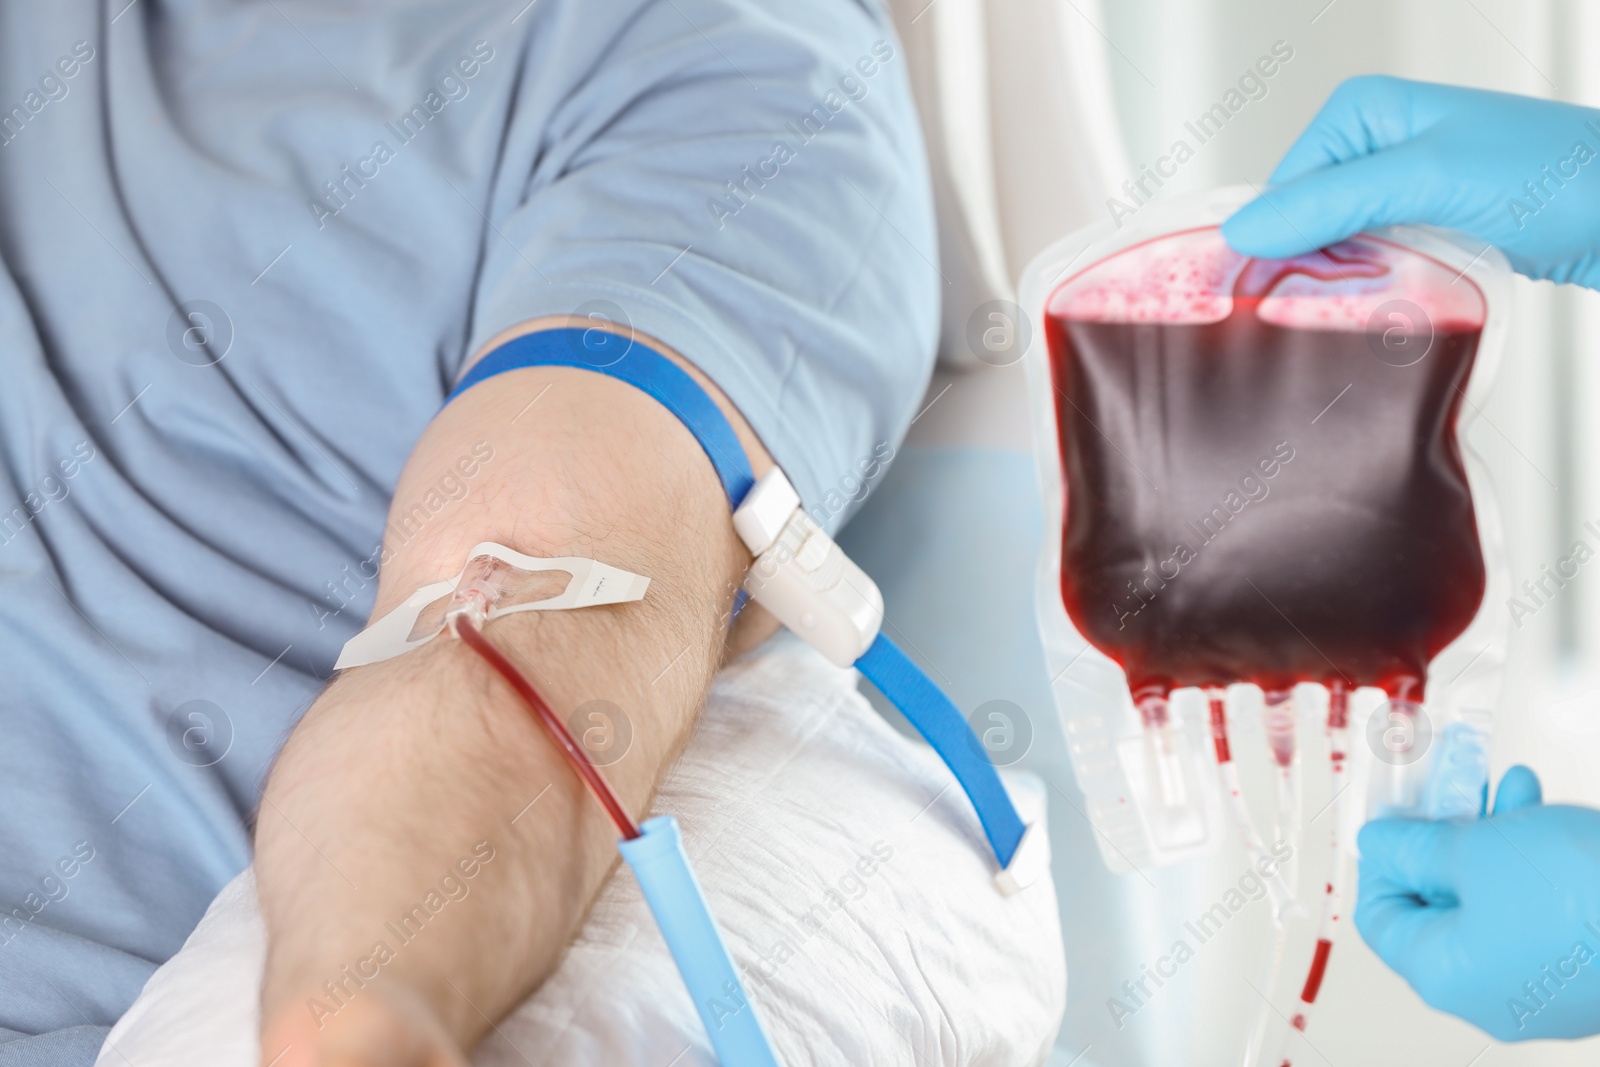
(680, 909)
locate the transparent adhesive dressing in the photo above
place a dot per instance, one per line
(495, 581)
(1259, 503)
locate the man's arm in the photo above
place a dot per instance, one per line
(407, 775)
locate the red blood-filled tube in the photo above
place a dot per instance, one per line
(1338, 731)
(1338, 709)
(576, 757)
(1319, 967)
(1219, 725)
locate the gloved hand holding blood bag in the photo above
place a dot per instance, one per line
(1254, 476)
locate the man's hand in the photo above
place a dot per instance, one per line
(1513, 171)
(423, 854)
(1495, 920)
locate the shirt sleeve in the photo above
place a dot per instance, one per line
(745, 182)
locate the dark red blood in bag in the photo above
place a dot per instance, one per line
(1254, 502)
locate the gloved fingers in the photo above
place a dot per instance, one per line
(1330, 204)
(1410, 856)
(1519, 788)
(1405, 899)
(1405, 932)
(1362, 116)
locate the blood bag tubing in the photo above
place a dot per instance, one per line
(1283, 899)
(1280, 730)
(576, 758)
(1333, 889)
(1282, 896)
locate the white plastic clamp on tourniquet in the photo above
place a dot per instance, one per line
(804, 578)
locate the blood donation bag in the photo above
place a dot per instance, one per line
(1204, 508)
(1254, 475)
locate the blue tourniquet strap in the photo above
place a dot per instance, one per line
(941, 725)
(922, 703)
(640, 366)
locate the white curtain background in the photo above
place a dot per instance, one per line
(1035, 111)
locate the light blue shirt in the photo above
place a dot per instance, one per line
(244, 249)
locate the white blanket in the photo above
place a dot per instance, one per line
(848, 873)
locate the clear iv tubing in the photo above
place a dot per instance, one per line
(1280, 730)
(1402, 787)
(1161, 753)
(1333, 893)
(1283, 901)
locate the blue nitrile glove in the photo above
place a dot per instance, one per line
(1513, 171)
(1496, 920)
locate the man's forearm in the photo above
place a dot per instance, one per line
(406, 774)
